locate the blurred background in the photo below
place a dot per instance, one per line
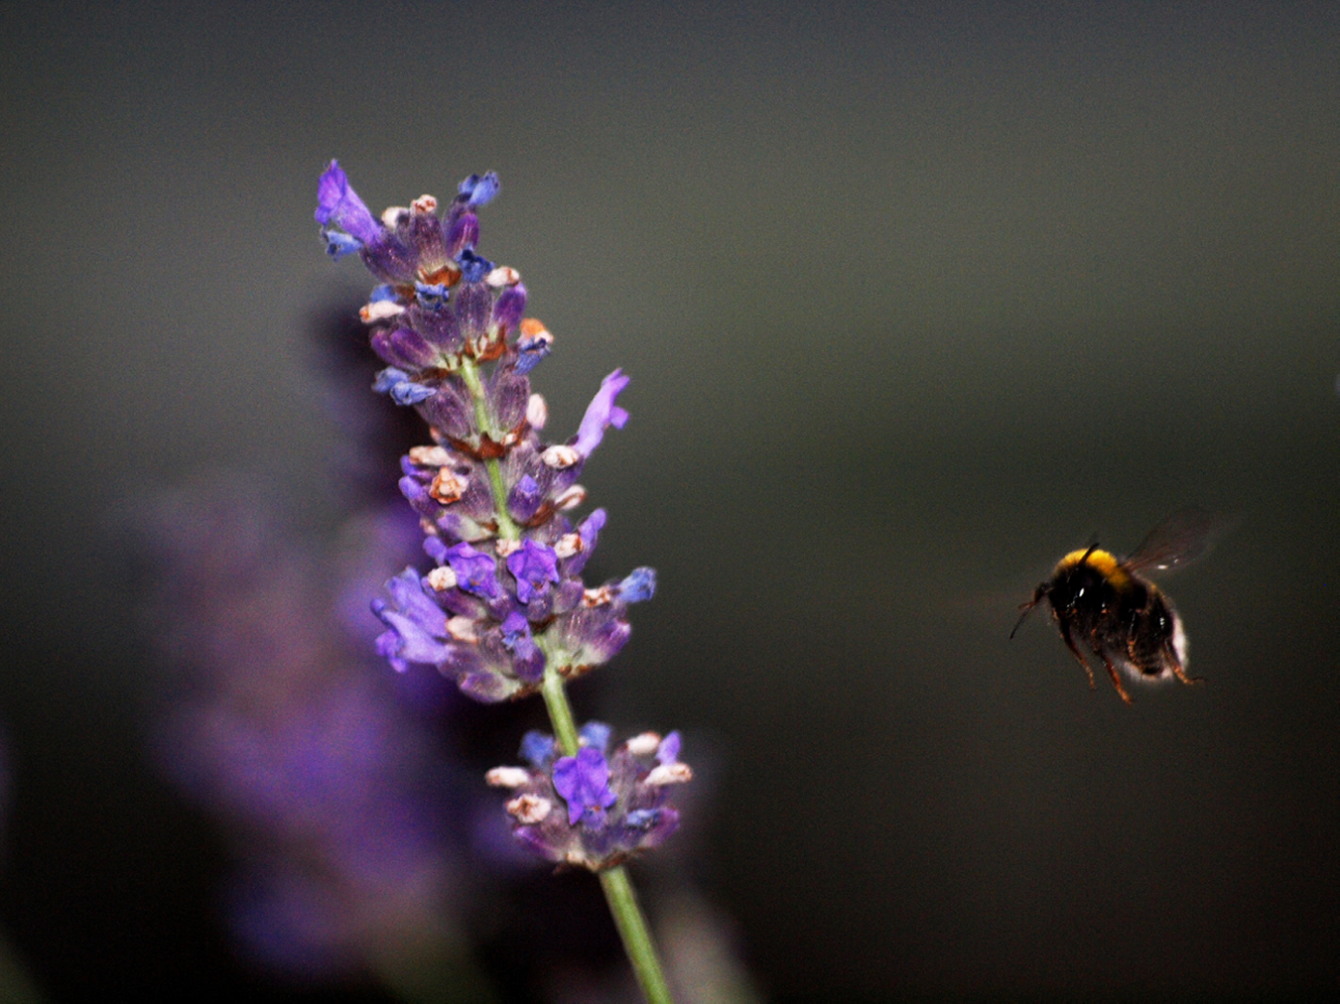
(915, 298)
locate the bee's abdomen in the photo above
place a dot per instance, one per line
(1155, 636)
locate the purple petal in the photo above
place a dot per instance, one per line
(537, 749)
(480, 190)
(418, 622)
(640, 585)
(509, 307)
(596, 735)
(475, 570)
(534, 567)
(601, 413)
(337, 202)
(583, 782)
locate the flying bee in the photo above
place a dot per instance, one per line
(1126, 621)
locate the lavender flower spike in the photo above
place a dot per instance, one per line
(492, 498)
(505, 612)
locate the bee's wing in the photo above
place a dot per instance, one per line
(1179, 539)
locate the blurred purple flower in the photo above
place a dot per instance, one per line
(275, 719)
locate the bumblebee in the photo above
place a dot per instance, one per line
(1126, 621)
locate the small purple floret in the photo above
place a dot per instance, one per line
(527, 657)
(479, 190)
(402, 389)
(430, 296)
(531, 352)
(473, 267)
(535, 568)
(417, 625)
(475, 571)
(583, 782)
(639, 586)
(601, 413)
(596, 735)
(338, 203)
(538, 749)
(340, 244)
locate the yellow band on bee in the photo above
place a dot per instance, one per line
(1102, 561)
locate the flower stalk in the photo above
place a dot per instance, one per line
(505, 612)
(637, 941)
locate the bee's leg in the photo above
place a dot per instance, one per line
(1074, 650)
(1175, 664)
(1116, 679)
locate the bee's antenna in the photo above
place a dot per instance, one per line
(1027, 608)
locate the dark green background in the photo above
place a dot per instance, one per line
(915, 298)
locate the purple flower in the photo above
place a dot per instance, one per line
(479, 190)
(431, 296)
(416, 624)
(583, 782)
(338, 245)
(489, 493)
(535, 567)
(475, 571)
(594, 810)
(538, 749)
(639, 586)
(527, 658)
(473, 267)
(601, 413)
(402, 389)
(534, 344)
(338, 203)
(274, 719)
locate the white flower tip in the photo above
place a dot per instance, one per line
(507, 777)
(669, 773)
(462, 629)
(598, 597)
(379, 310)
(570, 499)
(447, 487)
(503, 275)
(442, 578)
(559, 457)
(429, 456)
(425, 204)
(537, 411)
(529, 809)
(568, 545)
(645, 744)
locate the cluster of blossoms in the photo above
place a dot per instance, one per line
(504, 612)
(614, 801)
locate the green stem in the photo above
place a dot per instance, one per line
(560, 711)
(618, 889)
(470, 374)
(636, 937)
